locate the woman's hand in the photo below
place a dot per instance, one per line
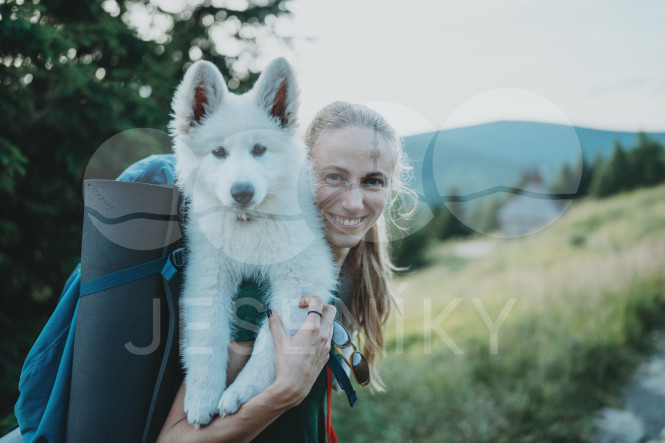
(300, 358)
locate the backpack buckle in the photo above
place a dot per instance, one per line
(177, 257)
(174, 263)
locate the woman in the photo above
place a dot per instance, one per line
(360, 165)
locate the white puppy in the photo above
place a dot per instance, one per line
(251, 214)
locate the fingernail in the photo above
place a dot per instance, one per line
(269, 312)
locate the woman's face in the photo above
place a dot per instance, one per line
(353, 166)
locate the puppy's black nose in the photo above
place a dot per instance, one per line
(242, 192)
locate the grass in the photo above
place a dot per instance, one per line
(589, 291)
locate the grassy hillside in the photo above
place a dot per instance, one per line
(588, 294)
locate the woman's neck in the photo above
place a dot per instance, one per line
(339, 255)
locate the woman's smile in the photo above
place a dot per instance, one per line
(347, 222)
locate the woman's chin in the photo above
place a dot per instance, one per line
(344, 240)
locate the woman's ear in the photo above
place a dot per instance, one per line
(201, 93)
(278, 94)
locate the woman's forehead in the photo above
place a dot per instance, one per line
(353, 148)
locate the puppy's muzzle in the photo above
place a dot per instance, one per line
(242, 193)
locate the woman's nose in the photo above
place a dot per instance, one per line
(352, 199)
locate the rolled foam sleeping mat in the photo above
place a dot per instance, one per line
(126, 368)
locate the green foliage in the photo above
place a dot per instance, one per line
(574, 180)
(12, 163)
(644, 310)
(577, 239)
(449, 218)
(614, 176)
(411, 251)
(485, 212)
(586, 172)
(584, 319)
(641, 166)
(73, 74)
(648, 161)
(541, 386)
(565, 180)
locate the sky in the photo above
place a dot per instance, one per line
(436, 64)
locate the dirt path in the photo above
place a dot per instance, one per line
(642, 418)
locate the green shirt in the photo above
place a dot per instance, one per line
(304, 423)
(249, 310)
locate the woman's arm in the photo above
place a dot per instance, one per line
(299, 360)
(252, 418)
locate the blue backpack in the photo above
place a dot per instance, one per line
(56, 380)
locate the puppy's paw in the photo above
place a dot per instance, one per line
(199, 409)
(234, 397)
(199, 416)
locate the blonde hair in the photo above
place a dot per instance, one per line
(368, 263)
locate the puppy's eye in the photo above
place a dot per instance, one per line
(220, 152)
(258, 150)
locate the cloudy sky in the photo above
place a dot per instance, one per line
(436, 64)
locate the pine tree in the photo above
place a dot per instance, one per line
(452, 224)
(647, 162)
(574, 180)
(585, 170)
(566, 180)
(613, 177)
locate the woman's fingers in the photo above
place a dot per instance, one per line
(314, 306)
(299, 358)
(310, 300)
(276, 329)
(323, 321)
(329, 313)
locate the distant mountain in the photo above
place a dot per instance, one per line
(598, 142)
(476, 158)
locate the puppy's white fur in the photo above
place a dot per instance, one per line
(276, 238)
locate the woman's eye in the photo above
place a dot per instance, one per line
(258, 150)
(373, 181)
(333, 177)
(220, 152)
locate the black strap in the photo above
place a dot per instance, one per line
(342, 378)
(170, 375)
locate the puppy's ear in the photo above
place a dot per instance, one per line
(199, 95)
(278, 93)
